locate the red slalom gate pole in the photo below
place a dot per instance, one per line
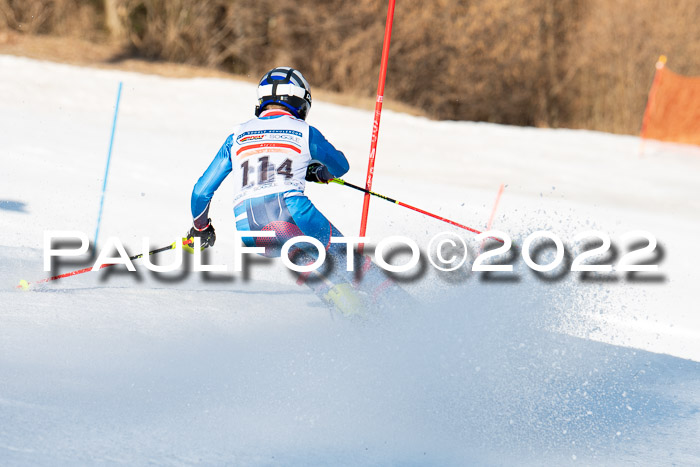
(377, 118)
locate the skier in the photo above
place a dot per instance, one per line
(271, 157)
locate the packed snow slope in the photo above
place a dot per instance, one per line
(250, 369)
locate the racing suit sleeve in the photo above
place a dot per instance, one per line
(322, 151)
(208, 183)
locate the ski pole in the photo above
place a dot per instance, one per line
(368, 192)
(25, 285)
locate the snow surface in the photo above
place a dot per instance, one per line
(135, 368)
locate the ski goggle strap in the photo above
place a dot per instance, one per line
(281, 90)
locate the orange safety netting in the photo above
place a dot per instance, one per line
(673, 107)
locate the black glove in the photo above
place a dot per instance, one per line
(317, 172)
(207, 235)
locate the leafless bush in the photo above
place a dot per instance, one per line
(60, 17)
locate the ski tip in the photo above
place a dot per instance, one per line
(24, 285)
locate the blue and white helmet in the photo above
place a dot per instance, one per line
(284, 86)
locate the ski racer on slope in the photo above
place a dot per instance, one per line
(271, 157)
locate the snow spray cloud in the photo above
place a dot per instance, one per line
(447, 252)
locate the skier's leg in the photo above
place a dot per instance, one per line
(271, 213)
(334, 282)
(378, 289)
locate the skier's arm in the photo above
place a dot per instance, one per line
(208, 183)
(322, 151)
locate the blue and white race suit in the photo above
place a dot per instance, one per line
(268, 157)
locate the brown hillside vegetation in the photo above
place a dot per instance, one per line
(563, 63)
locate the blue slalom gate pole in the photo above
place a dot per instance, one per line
(109, 157)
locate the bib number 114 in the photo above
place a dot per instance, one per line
(266, 171)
